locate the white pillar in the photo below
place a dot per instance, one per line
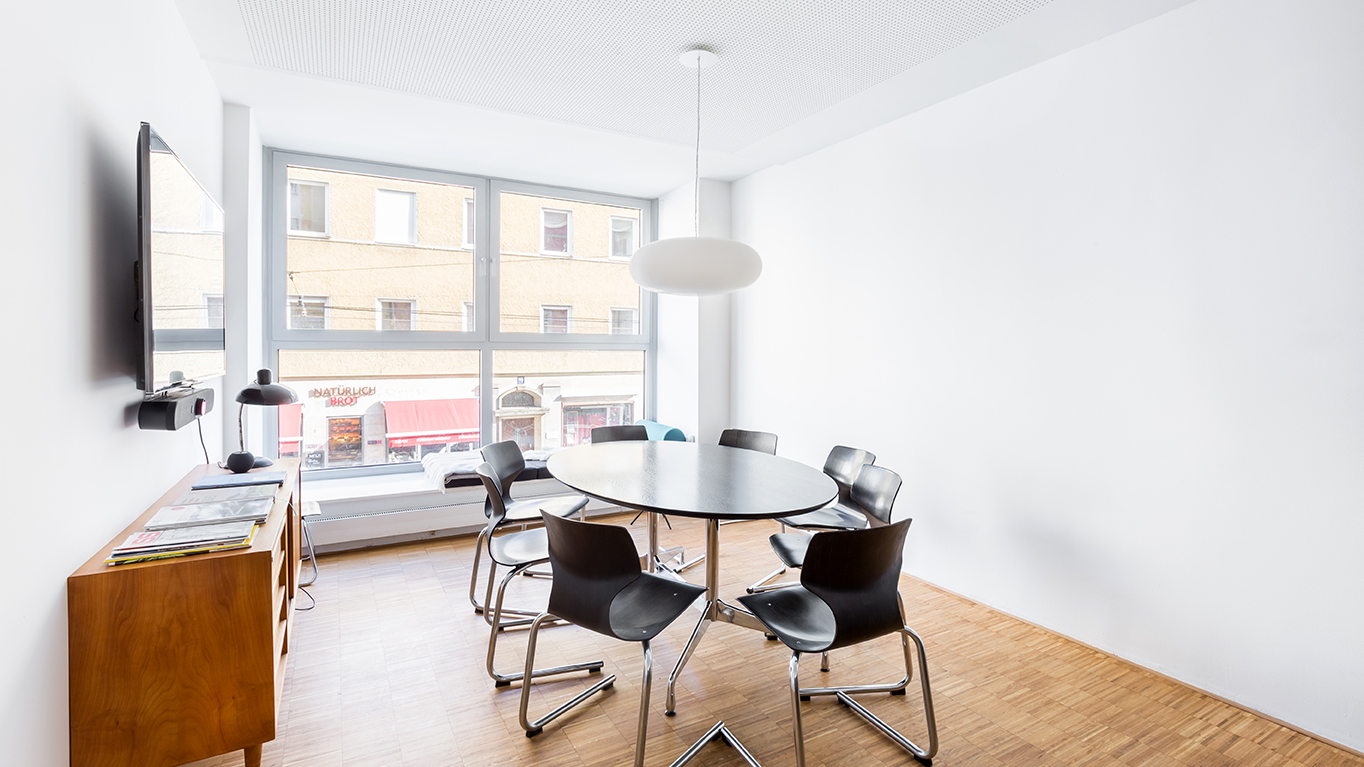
(242, 288)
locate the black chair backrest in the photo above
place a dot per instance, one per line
(843, 464)
(591, 564)
(494, 507)
(857, 574)
(760, 441)
(874, 493)
(634, 433)
(505, 461)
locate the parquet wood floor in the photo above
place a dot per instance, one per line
(388, 670)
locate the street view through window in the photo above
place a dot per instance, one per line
(396, 258)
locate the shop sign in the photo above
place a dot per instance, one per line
(342, 396)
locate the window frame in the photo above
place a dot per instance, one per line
(379, 313)
(568, 319)
(485, 335)
(470, 219)
(411, 217)
(326, 211)
(611, 238)
(634, 320)
(326, 302)
(208, 313)
(567, 252)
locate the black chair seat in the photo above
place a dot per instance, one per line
(648, 605)
(516, 549)
(801, 620)
(790, 548)
(528, 509)
(835, 517)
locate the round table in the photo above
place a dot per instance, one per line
(710, 482)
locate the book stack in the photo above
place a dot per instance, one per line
(212, 516)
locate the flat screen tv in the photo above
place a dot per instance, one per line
(178, 273)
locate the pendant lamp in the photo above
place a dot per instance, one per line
(696, 266)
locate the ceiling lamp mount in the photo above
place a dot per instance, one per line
(696, 266)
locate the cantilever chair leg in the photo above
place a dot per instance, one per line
(535, 728)
(473, 572)
(502, 680)
(922, 754)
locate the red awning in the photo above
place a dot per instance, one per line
(431, 421)
(290, 422)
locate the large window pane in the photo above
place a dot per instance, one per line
(368, 407)
(570, 256)
(387, 239)
(546, 400)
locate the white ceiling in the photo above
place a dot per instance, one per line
(590, 94)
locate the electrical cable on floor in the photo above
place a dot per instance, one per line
(304, 589)
(201, 439)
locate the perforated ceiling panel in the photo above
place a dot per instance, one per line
(612, 64)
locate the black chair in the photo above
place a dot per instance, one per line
(847, 595)
(506, 462)
(518, 551)
(632, 433)
(842, 465)
(598, 585)
(761, 441)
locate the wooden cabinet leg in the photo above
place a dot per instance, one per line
(252, 754)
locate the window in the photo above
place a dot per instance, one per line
(556, 319)
(213, 310)
(468, 223)
(622, 237)
(555, 231)
(308, 208)
(396, 315)
(401, 350)
(307, 312)
(624, 322)
(395, 217)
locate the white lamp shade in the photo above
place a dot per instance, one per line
(695, 266)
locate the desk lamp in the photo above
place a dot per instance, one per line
(262, 392)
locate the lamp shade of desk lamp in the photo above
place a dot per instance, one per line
(261, 392)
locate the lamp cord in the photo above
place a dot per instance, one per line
(696, 178)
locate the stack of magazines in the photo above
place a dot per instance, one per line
(202, 520)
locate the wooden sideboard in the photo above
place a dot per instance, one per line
(181, 659)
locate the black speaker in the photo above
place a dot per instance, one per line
(175, 409)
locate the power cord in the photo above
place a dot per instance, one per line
(202, 444)
(313, 604)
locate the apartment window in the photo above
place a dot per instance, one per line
(624, 322)
(468, 222)
(556, 231)
(376, 402)
(396, 315)
(308, 208)
(556, 319)
(395, 217)
(213, 310)
(623, 240)
(307, 312)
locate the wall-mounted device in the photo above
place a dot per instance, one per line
(179, 281)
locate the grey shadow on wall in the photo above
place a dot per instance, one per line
(111, 254)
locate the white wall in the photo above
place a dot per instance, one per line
(244, 310)
(694, 332)
(1105, 316)
(78, 78)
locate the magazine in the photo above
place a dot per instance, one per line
(254, 511)
(220, 494)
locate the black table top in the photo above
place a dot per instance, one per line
(692, 480)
